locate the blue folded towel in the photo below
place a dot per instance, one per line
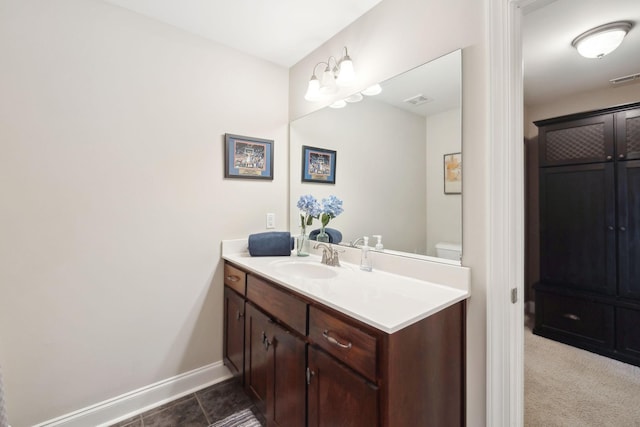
(271, 243)
(334, 235)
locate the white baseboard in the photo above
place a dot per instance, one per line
(137, 401)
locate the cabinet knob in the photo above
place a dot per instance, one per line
(571, 316)
(609, 157)
(621, 156)
(610, 227)
(239, 315)
(623, 228)
(233, 278)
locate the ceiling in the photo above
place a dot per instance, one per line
(285, 31)
(279, 31)
(553, 68)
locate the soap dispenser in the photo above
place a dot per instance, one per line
(365, 256)
(379, 246)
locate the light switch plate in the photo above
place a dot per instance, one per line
(271, 220)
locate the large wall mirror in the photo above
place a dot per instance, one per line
(394, 171)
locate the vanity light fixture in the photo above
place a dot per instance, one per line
(341, 103)
(356, 97)
(602, 40)
(341, 74)
(372, 90)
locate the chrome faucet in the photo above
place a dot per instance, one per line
(354, 244)
(329, 254)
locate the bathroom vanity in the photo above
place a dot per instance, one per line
(335, 346)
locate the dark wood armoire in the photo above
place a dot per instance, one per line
(588, 295)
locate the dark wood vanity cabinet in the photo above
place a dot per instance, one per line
(234, 312)
(589, 290)
(257, 337)
(309, 365)
(337, 395)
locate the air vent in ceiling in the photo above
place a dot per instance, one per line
(418, 100)
(624, 79)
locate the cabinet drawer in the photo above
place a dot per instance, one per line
(278, 303)
(344, 341)
(588, 321)
(235, 278)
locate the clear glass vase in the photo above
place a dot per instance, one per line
(322, 236)
(302, 243)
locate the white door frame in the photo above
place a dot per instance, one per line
(505, 247)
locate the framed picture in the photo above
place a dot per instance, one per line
(318, 165)
(453, 173)
(247, 157)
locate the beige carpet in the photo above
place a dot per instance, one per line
(566, 386)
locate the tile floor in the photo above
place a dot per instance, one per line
(199, 409)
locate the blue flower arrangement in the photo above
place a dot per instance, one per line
(310, 208)
(331, 208)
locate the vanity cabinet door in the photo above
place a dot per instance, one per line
(286, 380)
(256, 364)
(337, 395)
(233, 348)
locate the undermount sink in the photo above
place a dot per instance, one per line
(306, 269)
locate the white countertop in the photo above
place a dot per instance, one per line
(386, 301)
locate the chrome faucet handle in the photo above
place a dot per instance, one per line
(354, 243)
(335, 259)
(327, 252)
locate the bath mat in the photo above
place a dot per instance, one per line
(243, 418)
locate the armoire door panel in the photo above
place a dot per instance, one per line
(585, 140)
(628, 134)
(578, 227)
(629, 229)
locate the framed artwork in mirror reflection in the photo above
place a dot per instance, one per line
(248, 157)
(452, 173)
(318, 165)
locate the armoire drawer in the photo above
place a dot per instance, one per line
(587, 321)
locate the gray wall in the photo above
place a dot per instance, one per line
(398, 35)
(114, 200)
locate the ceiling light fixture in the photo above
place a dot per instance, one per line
(341, 74)
(601, 40)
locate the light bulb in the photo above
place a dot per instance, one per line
(313, 90)
(347, 75)
(328, 83)
(356, 97)
(338, 104)
(372, 90)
